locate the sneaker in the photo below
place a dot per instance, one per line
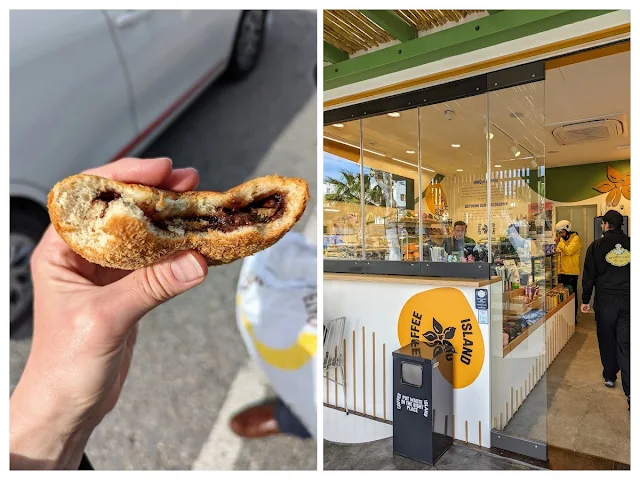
(609, 383)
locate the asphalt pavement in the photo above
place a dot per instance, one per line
(190, 370)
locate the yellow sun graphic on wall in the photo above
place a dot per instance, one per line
(617, 186)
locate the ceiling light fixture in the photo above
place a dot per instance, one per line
(487, 134)
(338, 125)
(331, 210)
(411, 152)
(455, 145)
(412, 164)
(353, 146)
(516, 151)
(394, 114)
(374, 152)
(497, 166)
(459, 170)
(342, 142)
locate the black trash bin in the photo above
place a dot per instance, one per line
(423, 401)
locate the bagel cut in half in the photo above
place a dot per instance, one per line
(128, 226)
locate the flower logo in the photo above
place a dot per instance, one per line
(617, 185)
(439, 338)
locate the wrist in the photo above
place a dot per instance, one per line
(41, 439)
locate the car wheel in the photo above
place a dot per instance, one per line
(248, 44)
(27, 227)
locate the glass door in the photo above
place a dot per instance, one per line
(523, 324)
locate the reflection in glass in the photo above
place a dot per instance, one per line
(453, 151)
(391, 175)
(342, 191)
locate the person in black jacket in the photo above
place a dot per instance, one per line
(607, 267)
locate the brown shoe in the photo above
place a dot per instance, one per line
(255, 422)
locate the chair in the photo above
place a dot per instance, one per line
(333, 334)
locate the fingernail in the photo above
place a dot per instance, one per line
(186, 268)
(164, 158)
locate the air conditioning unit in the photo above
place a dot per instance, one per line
(590, 130)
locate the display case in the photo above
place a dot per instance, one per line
(552, 270)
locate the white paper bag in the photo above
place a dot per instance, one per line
(277, 316)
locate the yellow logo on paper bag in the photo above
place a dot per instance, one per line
(442, 317)
(619, 257)
(292, 357)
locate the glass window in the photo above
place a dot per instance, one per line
(518, 210)
(342, 215)
(522, 218)
(453, 153)
(390, 172)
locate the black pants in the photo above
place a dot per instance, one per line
(612, 320)
(571, 281)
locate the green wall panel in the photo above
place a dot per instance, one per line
(574, 184)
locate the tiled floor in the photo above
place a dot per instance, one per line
(378, 455)
(581, 413)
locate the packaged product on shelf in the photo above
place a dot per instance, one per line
(532, 316)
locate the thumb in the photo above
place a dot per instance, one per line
(144, 289)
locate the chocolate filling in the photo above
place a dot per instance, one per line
(228, 219)
(106, 196)
(225, 220)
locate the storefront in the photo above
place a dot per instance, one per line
(439, 212)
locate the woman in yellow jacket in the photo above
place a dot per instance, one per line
(568, 243)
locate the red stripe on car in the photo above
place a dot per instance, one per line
(172, 108)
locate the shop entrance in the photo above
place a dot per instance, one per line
(570, 415)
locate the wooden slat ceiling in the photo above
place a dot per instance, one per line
(351, 31)
(428, 19)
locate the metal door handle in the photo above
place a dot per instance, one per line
(131, 18)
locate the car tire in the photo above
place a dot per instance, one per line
(248, 44)
(28, 223)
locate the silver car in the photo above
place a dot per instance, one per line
(91, 86)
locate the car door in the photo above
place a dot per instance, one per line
(168, 53)
(70, 104)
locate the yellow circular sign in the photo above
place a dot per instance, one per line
(442, 317)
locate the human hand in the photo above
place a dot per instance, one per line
(557, 239)
(85, 327)
(585, 308)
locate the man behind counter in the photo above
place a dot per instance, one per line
(459, 242)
